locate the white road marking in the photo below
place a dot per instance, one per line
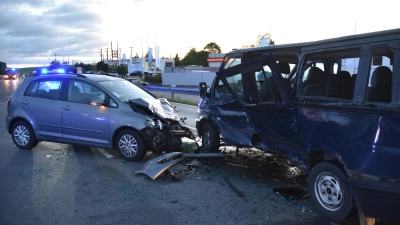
(106, 154)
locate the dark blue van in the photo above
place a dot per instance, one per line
(331, 106)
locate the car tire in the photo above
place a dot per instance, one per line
(23, 136)
(330, 197)
(210, 138)
(131, 145)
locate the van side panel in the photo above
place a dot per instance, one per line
(366, 143)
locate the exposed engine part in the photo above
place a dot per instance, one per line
(168, 139)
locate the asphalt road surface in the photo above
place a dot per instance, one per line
(66, 184)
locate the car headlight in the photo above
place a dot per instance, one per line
(152, 123)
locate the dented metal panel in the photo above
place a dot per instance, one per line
(362, 141)
(160, 107)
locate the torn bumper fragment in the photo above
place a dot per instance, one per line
(157, 165)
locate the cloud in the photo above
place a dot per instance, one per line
(39, 30)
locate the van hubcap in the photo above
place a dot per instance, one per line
(329, 191)
(128, 145)
(21, 135)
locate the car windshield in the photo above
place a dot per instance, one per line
(125, 90)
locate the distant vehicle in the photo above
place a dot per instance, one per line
(96, 72)
(114, 74)
(136, 73)
(10, 73)
(153, 71)
(139, 81)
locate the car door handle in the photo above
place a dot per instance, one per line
(25, 103)
(66, 108)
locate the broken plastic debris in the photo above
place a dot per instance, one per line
(290, 193)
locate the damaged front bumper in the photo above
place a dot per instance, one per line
(157, 165)
(164, 131)
(168, 138)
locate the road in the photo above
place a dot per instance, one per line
(66, 184)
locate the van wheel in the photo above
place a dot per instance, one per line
(23, 136)
(331, 199)
(210, 138)
(131, 145)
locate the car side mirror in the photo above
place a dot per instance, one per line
(203, 89)
(98, 102)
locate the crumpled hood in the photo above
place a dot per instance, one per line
(161, 107)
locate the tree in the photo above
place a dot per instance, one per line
(102, 66)
(3, 67)
(212, 47)
(122, 70)
(85, 67)
(136, 56)
(193, 57)
(55, 63)
(259, 37)
(177, 61)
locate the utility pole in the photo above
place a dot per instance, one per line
(107, 53)
(131, 51)
(55, 57)
(119, 54)
(355, 27)
(101, 54)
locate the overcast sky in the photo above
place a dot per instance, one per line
(34, 32)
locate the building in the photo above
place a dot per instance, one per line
(215, 60)
(140, 64)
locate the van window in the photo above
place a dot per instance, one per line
(309, 66)
(329, 73)
(229, 62)
(221, 94)
(268, 90)
(380, 75)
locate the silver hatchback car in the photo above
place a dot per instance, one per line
(93, 110)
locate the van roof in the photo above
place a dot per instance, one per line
(392, 34)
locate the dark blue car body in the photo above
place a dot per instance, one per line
(316, 113)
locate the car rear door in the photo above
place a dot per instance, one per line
(42, 103)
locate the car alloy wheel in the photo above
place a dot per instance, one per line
(23, 136)
(131, 145)
(128, 145)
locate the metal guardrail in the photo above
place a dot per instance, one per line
(173, 90)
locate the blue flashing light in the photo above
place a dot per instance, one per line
(44, 71)
(60, 70)
(13, 69)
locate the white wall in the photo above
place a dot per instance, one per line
(187, 79)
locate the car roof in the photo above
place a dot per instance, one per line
(93, 77)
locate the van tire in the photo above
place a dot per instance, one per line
(330, 197)
(131, 145)
(23, 136)
(210, 138)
